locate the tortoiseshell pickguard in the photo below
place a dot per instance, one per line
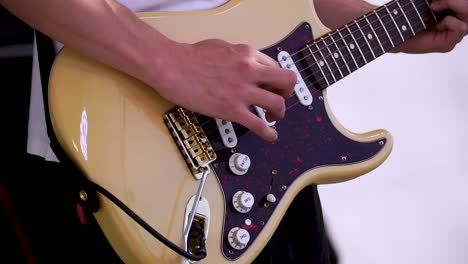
(307, 140)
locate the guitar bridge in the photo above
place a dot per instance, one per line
(190, 138)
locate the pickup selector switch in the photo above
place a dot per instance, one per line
(238, 238)
(243, 201)
(239, 163)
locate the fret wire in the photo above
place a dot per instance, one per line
(430, 9)
(394, 22)
(427, 15)
(315, 72)
(365, 38)
(343, 39)
(417, 12)
(333, 57)
(318, 64)
(313, 83)
(380, 9)
(352, 56)
(341, 54)
(384, 27)
(294, 104)
(375, 34)
(324, 60)
(415, 15)
(385, 41)
(348, 48)
(211, 120)
(407, 20)
(357, 45)
(355, 49)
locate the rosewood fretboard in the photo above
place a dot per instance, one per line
(339, 53)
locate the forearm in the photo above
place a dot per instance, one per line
(337, 13)
(103, 30)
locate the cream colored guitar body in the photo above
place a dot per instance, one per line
(112, 127)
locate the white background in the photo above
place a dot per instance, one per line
(414, 207)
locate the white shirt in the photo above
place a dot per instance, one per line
(38, 141)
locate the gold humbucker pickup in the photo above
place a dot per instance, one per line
(190, 138)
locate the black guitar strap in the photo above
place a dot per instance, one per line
(46, 56)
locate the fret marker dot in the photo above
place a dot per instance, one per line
(369, 36)
(351, 46)
(395, 12)
(403, 28)
(321, 63)
(336, 55)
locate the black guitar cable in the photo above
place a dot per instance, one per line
(46, 56)
(200, 254)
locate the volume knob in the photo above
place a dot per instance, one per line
(238, 238)
(239, 163)
(243, 201)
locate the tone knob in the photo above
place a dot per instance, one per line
(243, 201)
(238, 238)
(239, 163)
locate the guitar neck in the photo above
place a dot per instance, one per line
(348, 48)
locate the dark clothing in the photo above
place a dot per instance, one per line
(301, 236)
(39, 221)
(41, 196)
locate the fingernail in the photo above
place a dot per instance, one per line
(275, 135)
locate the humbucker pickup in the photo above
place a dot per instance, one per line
(190, 138)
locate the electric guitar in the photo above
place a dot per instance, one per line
(211, 187)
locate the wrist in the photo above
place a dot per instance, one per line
(158, 63)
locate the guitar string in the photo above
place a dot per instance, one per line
(335, 71)
(415, 15)
(317, 82)
(236, 125)
(360, 37)
(386, 14)
(343, 48)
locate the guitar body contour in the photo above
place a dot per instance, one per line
(112, 127)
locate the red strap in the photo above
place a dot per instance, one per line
(17, 228)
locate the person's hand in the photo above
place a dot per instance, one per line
(222, 80)
(446, 34)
